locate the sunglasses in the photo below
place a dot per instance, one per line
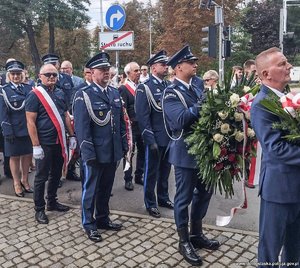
(50, 74)
(206, 80)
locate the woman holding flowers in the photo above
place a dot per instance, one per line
(279, 224)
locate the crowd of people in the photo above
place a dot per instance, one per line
(107, 118)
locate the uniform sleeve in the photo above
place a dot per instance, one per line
(82, 123)
(143, 113)
(177, 116)
(5, 121)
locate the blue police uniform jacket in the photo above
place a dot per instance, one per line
(178, 118)
(280, 165)
(13, 117)
(46, 130)
(149, 113)
(106, 143)
(65, 83)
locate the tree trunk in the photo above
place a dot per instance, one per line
(35, 55)
(51, 29)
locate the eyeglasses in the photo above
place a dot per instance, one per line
(206, 80)
(50, 74)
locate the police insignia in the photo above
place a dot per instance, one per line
(101, 113)
(15, 104)
(158, 90)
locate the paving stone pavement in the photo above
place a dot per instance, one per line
(143, 241)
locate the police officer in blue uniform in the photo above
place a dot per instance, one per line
(44, 135)
(150, 119)
(13, 122)
(181, 106)
(101, 132)
(65, 83)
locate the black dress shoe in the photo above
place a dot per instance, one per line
(167, 204)
(110, 226)
(94, 235)
(129, 186)
(57, 207)
(154, 212)
(29, 190)
(41, 217)
(201, 241)
(139, 181)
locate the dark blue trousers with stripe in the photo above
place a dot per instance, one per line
(97, 185)
(157, 171)
(189, 189)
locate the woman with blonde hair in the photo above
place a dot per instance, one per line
(211, 78)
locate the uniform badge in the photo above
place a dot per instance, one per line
(15, 104)
(101, 113)
(158, 90)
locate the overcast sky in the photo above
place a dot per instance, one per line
(94, 10)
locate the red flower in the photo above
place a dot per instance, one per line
(234, 171)
(219, 166)
(223, 151)
(231, 158)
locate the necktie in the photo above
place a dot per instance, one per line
(19, 89)
(106, 93)
(164, 83)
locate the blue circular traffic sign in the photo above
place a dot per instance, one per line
(115, 17)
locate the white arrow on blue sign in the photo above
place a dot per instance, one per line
(115, 17)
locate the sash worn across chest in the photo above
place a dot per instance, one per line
(55, 117)
(130, 89)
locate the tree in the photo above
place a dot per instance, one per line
(256, 21)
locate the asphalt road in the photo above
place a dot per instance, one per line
(132, 201)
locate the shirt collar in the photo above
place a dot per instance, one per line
(131, 84)
(102, 88)
(158, 79)
(184, 83)
(277, 92)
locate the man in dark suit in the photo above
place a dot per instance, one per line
(128, 91)
(181, 106)
(101, 133)
(279, 222)
(149, 115)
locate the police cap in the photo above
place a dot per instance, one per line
(101, 60)
(182, 55)
(161, 56)
(14, 66)
(50, 58)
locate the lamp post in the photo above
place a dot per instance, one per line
(150, 29)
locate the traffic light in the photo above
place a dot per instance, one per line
(226, 41)
(289, 44)
(211, 40)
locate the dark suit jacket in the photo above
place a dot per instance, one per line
(280, 167)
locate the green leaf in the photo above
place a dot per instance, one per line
(216, 150)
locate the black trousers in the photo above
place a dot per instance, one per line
(139, 149)
(49, 168)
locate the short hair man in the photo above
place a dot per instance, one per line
(67, 68)
(128, 92)
(249, 68)
(150, 118)
(101, 132)
(189, 187)
(47, 117)
(279, 220)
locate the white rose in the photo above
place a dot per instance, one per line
(246, 89)
(239, 136)
(250, 133)
(225, 128)
(234, 99)
(223, 115)
(215, 92)
(218, 137)
(238, 116)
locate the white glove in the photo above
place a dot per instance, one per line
(72, 143)
(38, 152)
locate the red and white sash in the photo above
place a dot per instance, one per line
(130, 87)
(56, 119)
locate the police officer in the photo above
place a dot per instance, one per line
(181, 106)
(150, 118)
(47, 117)
(13, 122)
(101, 133)
(65, 83)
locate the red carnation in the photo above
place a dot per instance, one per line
(219, 166)
(231, 158)
(223, 151)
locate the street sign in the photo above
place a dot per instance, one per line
(115, 17)
(116, 40)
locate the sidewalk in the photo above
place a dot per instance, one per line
(143, 242)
